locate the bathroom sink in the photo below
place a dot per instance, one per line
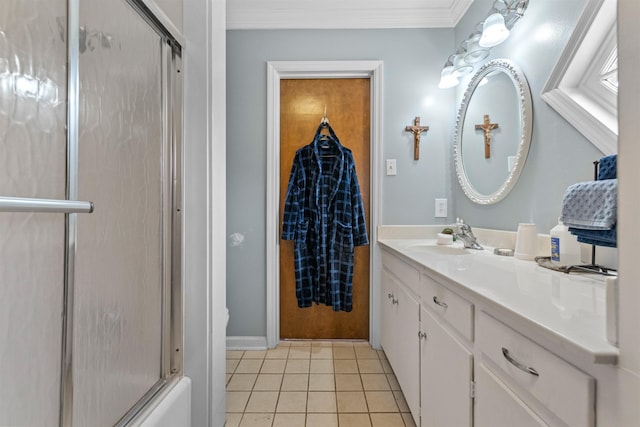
(440, 249)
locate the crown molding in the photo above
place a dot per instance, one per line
(344, 14)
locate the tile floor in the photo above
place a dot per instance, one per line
(314, 384)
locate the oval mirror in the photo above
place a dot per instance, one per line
(493, 132)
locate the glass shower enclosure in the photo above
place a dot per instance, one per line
(90, 211)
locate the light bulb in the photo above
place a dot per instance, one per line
(494, 31)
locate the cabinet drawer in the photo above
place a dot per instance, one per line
(407, 274)
(451, 307)
(561, 388)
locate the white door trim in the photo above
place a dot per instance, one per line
(277, 71)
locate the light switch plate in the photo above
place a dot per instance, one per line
(391, 167)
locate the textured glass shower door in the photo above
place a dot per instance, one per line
(33, 87)
(123, 260)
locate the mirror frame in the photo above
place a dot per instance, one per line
(526, 122)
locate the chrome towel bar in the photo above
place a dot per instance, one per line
(21, 204)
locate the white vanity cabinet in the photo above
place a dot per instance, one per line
(400, 326)
(446, 375)
(460, 362)
(555, 390)
(497, 406)
(446, 361)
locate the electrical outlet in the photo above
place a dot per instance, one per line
(441, 208)
(391, 167)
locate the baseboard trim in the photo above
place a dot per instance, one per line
(246, 343)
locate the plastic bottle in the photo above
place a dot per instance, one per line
(565, 248)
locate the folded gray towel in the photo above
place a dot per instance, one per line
(591, 205)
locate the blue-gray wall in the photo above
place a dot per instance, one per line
(559, 155)
(412, 63)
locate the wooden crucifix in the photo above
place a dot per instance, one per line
(416, 129)
(487, 127)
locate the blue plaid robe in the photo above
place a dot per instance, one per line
(324, 215)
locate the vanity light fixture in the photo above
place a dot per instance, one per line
(495, 29)
(447, 80)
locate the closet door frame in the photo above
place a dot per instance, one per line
(276, 71)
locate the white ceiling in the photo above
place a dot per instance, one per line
(344, 14)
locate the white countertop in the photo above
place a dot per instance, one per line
(569, 308)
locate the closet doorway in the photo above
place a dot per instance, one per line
(348, 109)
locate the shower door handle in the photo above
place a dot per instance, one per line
(22, 204)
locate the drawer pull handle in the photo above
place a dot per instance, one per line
(440, 303)
(422, 335)
(514, 362)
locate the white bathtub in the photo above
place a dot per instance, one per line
(172, 408)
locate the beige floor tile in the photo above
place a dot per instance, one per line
(257, 420)
(249, 366)
(295, 382)
(232, 364)
(351, 402)
(262, 401)
(344, 353)
(233, 420)
(321, 366)
(300, 352)
(322, 382)
(322, 420)
(365, 353)
(401, 402)
(386, 366)
(354, 420)
(381, 355)
(268, 382)
(320, 343)
(347, 366)
(362, 344)
(322, 352)
(393, 382)
(277, 353)
(283, 344)
(381, 401)
(242, 382)
(375, 382)
(370, 366)
(237, 400)
(273, 366)
(228, 378)
(408, 419)
(254, 354)
(386, 420)
(234, 354)
(343, 343)
(321, 402)
(348, 382)
(297, 366)
(301, 343)
(289, 420)
(292, 401)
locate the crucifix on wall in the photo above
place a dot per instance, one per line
(416, 129)
(487, 127)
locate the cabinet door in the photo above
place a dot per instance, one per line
(446, 373)
(407, 368)
(399, 337)
(497, 406)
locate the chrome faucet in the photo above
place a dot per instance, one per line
(465, 234)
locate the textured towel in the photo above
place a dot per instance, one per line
(596, 237)
(608, 167)
(591, 205)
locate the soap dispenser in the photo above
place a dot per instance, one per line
(565, 248)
